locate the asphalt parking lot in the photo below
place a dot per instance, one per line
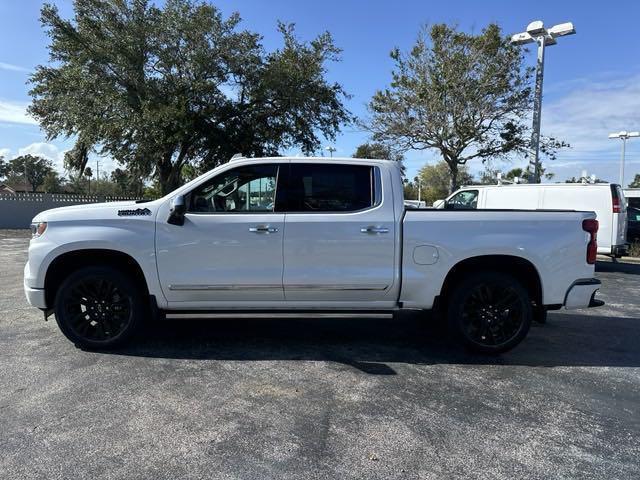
(321, 398)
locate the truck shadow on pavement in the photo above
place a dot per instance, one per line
(618, 267)
(372, 346)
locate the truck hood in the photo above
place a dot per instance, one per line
(100, 211)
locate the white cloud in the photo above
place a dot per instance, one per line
(15, 112)
(5, 152)
(586, 116)
(12, 68)
(46, 150)
(56, 155)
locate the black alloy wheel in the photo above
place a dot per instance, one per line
(490, 312)
(98, 307)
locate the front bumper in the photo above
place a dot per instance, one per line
(35, 297)
(581, 294)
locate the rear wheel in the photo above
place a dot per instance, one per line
(98, 307)
(490, 312)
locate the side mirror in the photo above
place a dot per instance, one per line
(178, 210)
(438, 204)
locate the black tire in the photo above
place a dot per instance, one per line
(489, 312)
(99, 307)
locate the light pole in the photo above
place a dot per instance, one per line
(330, 149)
(419, 184)
(543, 37)
(624, 136)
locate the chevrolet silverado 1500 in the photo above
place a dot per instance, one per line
(313, 237)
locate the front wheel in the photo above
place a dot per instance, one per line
(98, 307)
(490, 312)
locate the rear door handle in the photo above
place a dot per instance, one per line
(374, 230)
(263, 229)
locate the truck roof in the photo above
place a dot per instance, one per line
(317, 159)
(537, 185)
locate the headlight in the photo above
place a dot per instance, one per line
(37, 229)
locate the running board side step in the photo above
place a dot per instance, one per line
(204, 315)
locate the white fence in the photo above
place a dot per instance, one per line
(17, 210)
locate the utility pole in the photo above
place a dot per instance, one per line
(26, 179)
(624, 136)
(537, 33)
(331, 149)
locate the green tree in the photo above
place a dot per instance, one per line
(410, 189)
(380, 151)
(4, 168)
(636, 181)
(489, 176)
(158, 88)
(435, 180)
(32, 169)
(377, 150)
(126, 183)
(53, 183)
(466, 96)
(584, 179)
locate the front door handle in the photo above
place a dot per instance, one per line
(263, 229)
(374, 230)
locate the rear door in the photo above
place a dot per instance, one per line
(339, 241)
(594, 198)
(619, 230)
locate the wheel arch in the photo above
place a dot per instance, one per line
(520, 268)
(68, 262)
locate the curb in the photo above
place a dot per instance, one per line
(604, 258)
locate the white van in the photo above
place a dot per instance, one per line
(606, 199)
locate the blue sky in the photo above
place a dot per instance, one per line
(592, 79)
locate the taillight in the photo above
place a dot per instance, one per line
(615, 198)
(616, 205)
(591, 227)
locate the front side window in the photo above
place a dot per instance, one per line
(243, 189)
(330, 188)
(465, 200)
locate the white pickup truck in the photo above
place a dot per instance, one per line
(313, 237)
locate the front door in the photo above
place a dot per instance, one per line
(230, 246)
(339, 242)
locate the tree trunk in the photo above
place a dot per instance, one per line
(453, 176)
(167, 178)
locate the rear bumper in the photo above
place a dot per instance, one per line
(581, 294)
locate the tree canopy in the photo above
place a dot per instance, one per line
(377, 150)
(158, 88)
(467, 96)
(27, 169)
(636, 181)
(435, 179)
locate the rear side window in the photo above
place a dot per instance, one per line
(330, 188)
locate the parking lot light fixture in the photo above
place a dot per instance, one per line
(536, 32)
(624, 136)
(331, 149)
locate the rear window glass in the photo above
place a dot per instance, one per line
(330, 188)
